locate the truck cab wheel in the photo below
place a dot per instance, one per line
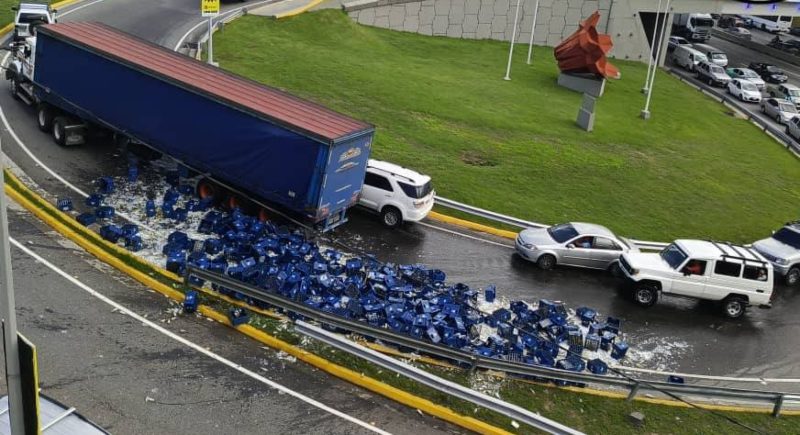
(391, 217)
(59, 131)
(734, 307)
(646, 295)
(14, 87)
(793, 277)
(44, 117)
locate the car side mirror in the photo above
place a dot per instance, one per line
(571, 246)
(14, 8)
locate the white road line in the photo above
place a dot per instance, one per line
(464, 235)
(196, 347)
(77, 8)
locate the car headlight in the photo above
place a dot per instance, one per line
(782, 261)
(529, 246)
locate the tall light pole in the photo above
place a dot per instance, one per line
(645, 114)
(13, 376)
(513, 39)
(650, 61)
(533, 30)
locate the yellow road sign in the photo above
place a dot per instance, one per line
(209, 8)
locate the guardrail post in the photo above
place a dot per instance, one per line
(473, 365)
(776, 410)
(633, 392)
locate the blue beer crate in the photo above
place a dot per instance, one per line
(64, 204)
(105, 185)
(618, 350)
(597, 366)
(86, 219)
(190, 302)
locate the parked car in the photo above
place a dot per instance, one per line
(736, 276)
(749, 75)
(782, 111)
(398, 194)
(787, 92)
(744, 90)
(676, 41)
(715, 55)
(573, 244)
(787, 46)
(712, 74)
(687, 57)
(730, 21)
(782, 249)
(794, 31)
(769, 73)
(793, 128)
(739, 32)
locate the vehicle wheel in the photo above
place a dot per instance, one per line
(646, 295)
(546, 262)
(734, 307)
(59, 131)
(763, 27)
(778, 119)
(763, 109)
(14, 87)
(44, 117)
(615, 269)
(207, 189)
(391, 217)
(793, 277)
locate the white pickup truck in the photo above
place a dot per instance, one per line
(30, 15)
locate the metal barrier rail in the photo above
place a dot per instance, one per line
(510, 410)
(520, 223)
(632, 386)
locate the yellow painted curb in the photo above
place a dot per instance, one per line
(472, 225)
(371, 384)
(299, 10)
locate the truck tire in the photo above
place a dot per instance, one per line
(645, 295)
(44, 117)
(391, 217)
(13, 84)
(734, 307)
(793, 277)
(546, 262)
(59, 131)
(208, 189)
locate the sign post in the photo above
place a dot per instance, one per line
(210, 9)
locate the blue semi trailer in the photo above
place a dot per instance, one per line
(252, 144)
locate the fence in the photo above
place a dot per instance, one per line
(776, 399)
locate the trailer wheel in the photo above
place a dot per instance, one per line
(207, 189)
(44, 117)
(59, 131)
(263, 214)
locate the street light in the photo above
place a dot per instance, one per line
(533, 30)
(645, 114)
(513, 38)
(650, 61)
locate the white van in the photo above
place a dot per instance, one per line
(687, 57)
(715, 55)
(397, 193)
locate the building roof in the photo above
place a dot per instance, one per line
(293, 113)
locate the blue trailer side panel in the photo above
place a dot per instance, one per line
(344, 174)
(235, 147)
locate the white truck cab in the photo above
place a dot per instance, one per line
(30, 15)
(397, 193)
(737, 276)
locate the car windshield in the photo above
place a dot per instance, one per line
(788, 237)
(673, 256)
(786, 107)
(747, 86)
(700, 57)
(719, 56)
(749, 74)
(774, 70)
(416, 192)
(793, 92)
(30, 18)
(562, 233)
(717, 70)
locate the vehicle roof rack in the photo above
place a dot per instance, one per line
(739, 254)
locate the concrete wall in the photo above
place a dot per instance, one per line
(557, 19)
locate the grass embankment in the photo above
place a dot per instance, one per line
(588, 413)
(440, 106)
(7, 15)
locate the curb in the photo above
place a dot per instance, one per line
(336, 370)
(439, 217)
(299, 10)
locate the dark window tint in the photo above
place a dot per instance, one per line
(375, 180)
(562, 233)
(415, 192)
(727, 268)
(603, 243)
(785, 235)
(757, 273)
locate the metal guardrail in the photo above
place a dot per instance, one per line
(521, 223)
(633, 386)
(513, 411)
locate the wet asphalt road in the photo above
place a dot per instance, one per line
(131, 379)
(677, 334)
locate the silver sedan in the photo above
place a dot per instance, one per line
(573, 244)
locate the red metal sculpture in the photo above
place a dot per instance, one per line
(585, 51)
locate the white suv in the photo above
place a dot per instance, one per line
(736, 275)
(397, 193)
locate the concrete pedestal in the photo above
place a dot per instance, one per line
(583, 83)
(586, 113)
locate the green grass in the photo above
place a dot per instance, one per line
(7, 15)
(440, 106)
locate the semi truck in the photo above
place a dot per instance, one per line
(694, 27)
(249, 145)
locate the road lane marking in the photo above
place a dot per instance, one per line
(464, 235)
(195, 346)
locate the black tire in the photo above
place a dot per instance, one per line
(44, 117)
(13, 84)
(645, 295)
(546, 262)
(59, 131)
(764, 27)
(793, 277)
(615, 270)
(778, 118)
(764, 109)
(734, 307)
(391, 217)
